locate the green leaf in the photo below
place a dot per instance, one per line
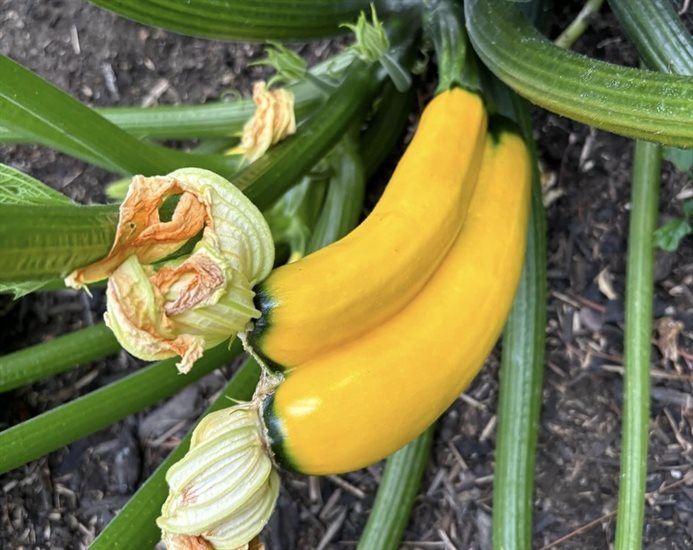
(18, 188)
(669, 236)
(681, 158)
(44, 114)
(247, 20)
(22, 288)
(631, 102)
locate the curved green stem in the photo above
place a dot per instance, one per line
(396, 494)
(247, 20)
(134, 526)
(638, 333)
(48, 358)
(627, 101)
(663, 41)
(67, 423)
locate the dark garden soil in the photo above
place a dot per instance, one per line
(65, 499)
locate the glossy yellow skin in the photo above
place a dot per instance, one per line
(351, 286)
(363, 401)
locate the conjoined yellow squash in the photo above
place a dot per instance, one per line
(358, 403)
(350, 287)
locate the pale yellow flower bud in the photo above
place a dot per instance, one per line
(222, 493)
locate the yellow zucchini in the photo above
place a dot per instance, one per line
(350, 287)
(364, 400)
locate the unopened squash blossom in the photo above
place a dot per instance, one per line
(182, 307)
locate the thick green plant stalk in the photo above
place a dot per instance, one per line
(48, 241)
(344, 199)
(522, 362)
(627, 101)
(386, 127)
(396, 494)
(663, 41)
(134, 526)
(44, 114)
(247, 20)
(54, 356)
(67, 423)
(637, 349)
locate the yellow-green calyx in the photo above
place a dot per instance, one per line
(222, 493)
(183, 306)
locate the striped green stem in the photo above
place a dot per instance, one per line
(627, 101)
(54, 356)
(396, 494)
(637, 349)
(134, 526)
(67, 423)
(248, 20)
(522, 365)
(663, 41)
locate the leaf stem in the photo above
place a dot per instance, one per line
(67, 423)
(396, 494)
(54, 356)
(637, 352)
(522, 364)
(579, 25)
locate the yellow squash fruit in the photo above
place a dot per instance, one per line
(364, 400)
(350, 287)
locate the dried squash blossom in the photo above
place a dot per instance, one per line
(192, 303)
(273, 121)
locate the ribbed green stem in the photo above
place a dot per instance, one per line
(386, 128)
(396, 494)
(578, 25)
(445, 25)
(663, 41)
(522, 364)
(631, 102)
(67, 423)
(637, 348)
(134, 526)
(43, 242)
(344, 200)
(248, 20)
(54, 356)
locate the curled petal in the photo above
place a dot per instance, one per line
(274, 119)
(194, 302)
